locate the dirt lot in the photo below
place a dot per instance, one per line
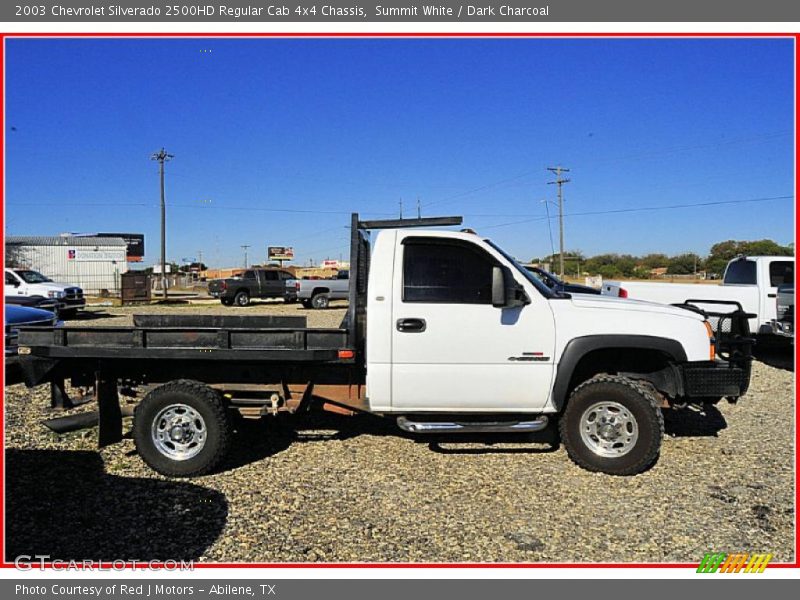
(342, 489)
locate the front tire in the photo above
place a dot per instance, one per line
(181, 429)
(613, 425)
(242, 298)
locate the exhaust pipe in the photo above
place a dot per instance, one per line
(536, 424)
(80, 421)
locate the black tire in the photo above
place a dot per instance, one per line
(226, 301)
(320, 301)
(242, 298)
(207, 403)
(68, 313)
(640, 403)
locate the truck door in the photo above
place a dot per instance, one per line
(13, 286)
(779, 272)
(451, 349)
(271, 285)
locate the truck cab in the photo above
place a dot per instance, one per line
(440, 340)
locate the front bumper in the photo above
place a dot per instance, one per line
(783, 328)
(73, 303)
(715, 379)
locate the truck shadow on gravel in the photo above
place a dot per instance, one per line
(257, 440)
(64, 505)
(779, 357)
(690, 422)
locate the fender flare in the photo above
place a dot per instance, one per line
(579, 347)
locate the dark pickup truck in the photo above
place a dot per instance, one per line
(253, 283)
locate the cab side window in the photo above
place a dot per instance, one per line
(781, 272)
(249, 275)
(271, 275)
(446, 272)
(10, 279)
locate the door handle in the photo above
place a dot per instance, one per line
(411, 325)
(772, 295)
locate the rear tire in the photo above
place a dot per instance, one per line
(181, 429)
(242, 298)
(320, 301)
(613, 425)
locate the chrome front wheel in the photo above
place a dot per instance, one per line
(609, 429)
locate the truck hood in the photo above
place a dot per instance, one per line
(613, 303)
(52, 285)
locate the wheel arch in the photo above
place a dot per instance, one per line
(584, 357)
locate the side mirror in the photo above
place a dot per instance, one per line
(506, 292)
(498, 287)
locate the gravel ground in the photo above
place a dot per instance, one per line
(354, 490)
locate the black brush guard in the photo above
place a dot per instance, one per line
(733, 344)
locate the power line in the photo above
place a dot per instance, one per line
(645, 208)
(480, 188)
(549, 226)
(643, 155)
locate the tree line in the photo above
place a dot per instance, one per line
(642, 267)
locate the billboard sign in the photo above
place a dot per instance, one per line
(280, 253)
(86, 254)
(135, 243)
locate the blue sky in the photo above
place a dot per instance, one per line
(332, 126)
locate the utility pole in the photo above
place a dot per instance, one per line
(401, 209)
(419, 209)
(245, 247)
(559, 182)
(200, 257)
(163, 157)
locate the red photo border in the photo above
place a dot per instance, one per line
(333, 35)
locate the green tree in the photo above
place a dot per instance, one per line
(684, 264)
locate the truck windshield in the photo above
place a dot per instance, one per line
(32, 276)
(537, 283)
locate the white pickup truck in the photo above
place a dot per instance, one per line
(27, 282)
(445, 333)
(752, 281)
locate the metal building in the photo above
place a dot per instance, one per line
(93, 263)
